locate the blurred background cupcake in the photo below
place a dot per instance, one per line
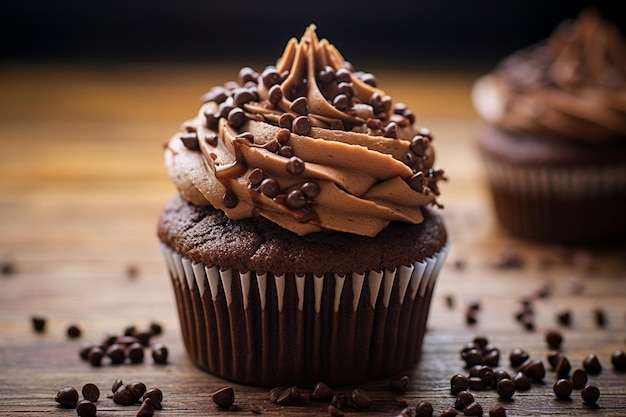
(553, 137)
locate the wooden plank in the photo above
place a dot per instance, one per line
(82, 183)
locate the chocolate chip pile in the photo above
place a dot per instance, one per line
(126, 348)
(123, 394)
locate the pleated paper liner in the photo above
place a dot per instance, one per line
(571, 206)
(271, 330)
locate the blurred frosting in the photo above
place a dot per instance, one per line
(310, 144)
(572, 85)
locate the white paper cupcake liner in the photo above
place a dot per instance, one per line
(270, 330)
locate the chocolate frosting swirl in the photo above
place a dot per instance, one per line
(571, 86)
(308, 143)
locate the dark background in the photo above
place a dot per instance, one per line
(439, 33)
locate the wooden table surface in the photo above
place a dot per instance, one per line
(82, 183)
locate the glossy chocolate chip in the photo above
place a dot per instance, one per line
(230, 199)
(562, 389)
(592, 365)
(341, 102)
(618, 360)
(91, 392)
(67, 397)
(458, 383)
(270, 77)
(224, 397)
(301, 125)
(463, 399)
(505, 388)
(590, 394)
(156, 396)
(579, 378)
(275, 95)
(236, 118)
(190, 140)
(310, 189)
(146, 409)
(295, 166)
(424, 409)
(269, 187)
(296, 199)
(86, 408)
(300, 106)
(322, 392)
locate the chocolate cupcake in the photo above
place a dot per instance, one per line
(553, 139)
(304, 243)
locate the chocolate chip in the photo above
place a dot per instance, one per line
(190, 140)
(269, 187)
(296, 199)
(86, 408)
(146, 409)
(618, 360)
(286, 120)
(143, 337)
(418, 145)
(95, 356)
(211, 120)
(517, 357)
(592, 365)
(159, 354)
(117, 384)
(322, 392)
(341, 401)
(563, 366)
(476, 383)
(326, 75)
(217, 94)
(123, 396)
(283, 136)
(463, 399)
(285, 151)
(391, 130)
(300, 106)
(91, 392)
(346, 88)
(562, 389)
(7, 267)
(600, 317)
(497, 411)
(247, 74)
(505, 388)
(301, 125)
(236, 118)
(458, 383)
(310, 189)
(73, 331)
(590, 394)
(156, 396)
(424, 409)
(341, 102)
(211, 138)
(473, 409)
(275, 95)
(360, 399)
(450, 412)
(270, 77)
(39, 324)
(342, 75)
(242, 96)
(416, 181)
(579, 378)
(554, 339)
(295, 166)
(369, 79)
(521, 381)
(334, 411)
(255, 177)
(224, 397)
(135, 352)
(399, 385)
(471, 317)
(472, 357)
(137, 388)
(535, 370)
(501, 374)
(67, 397)
(230, 199)
(116, 354)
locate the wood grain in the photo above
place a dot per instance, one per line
(82, 183)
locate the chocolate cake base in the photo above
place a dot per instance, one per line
(274, 329)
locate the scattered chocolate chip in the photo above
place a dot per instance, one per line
(321, 392)
(564, 316)
(476, 383)
(600, 317)
(217, 94)
(286, 120)
(230, 199)
(7, 267)
(360, 399)
(535, 370)
(579, 378)
(296, 199)
(135, 353)
(269, 187)
(501, 374)
(590, 394)
(270, 76)
(424, 409)
(510, 259)
(473, 409)
(517, 357)
(156, 396)
(236, 118)
(275, 95)
(449, 301)
(554, 339)
(341, 401)
(521, 381)
(285, 151)
(137, 389)
(67, 397)
(399, 385)
(301, 125)
(123, 396)
(334, 411)
(391, 130)
(458, 383)
(86, 408)
(159, 353)
(95, 356)
(450, 412)
(242, 96)
(545, 290)
(471, 317)
(224, 397)
(310, 189)
(91, 392)
(497, 411)
(341, 102)
(562, 389)
(563, 366)
(505, 389)
(278, 394)
(592, 365)
(463, 399)
(190, 140)
(618, 360)
(39, 324)
(117, 384)
(146, 409)
(73, 331)
(210, 138)
(116, 354)
(416, 181)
